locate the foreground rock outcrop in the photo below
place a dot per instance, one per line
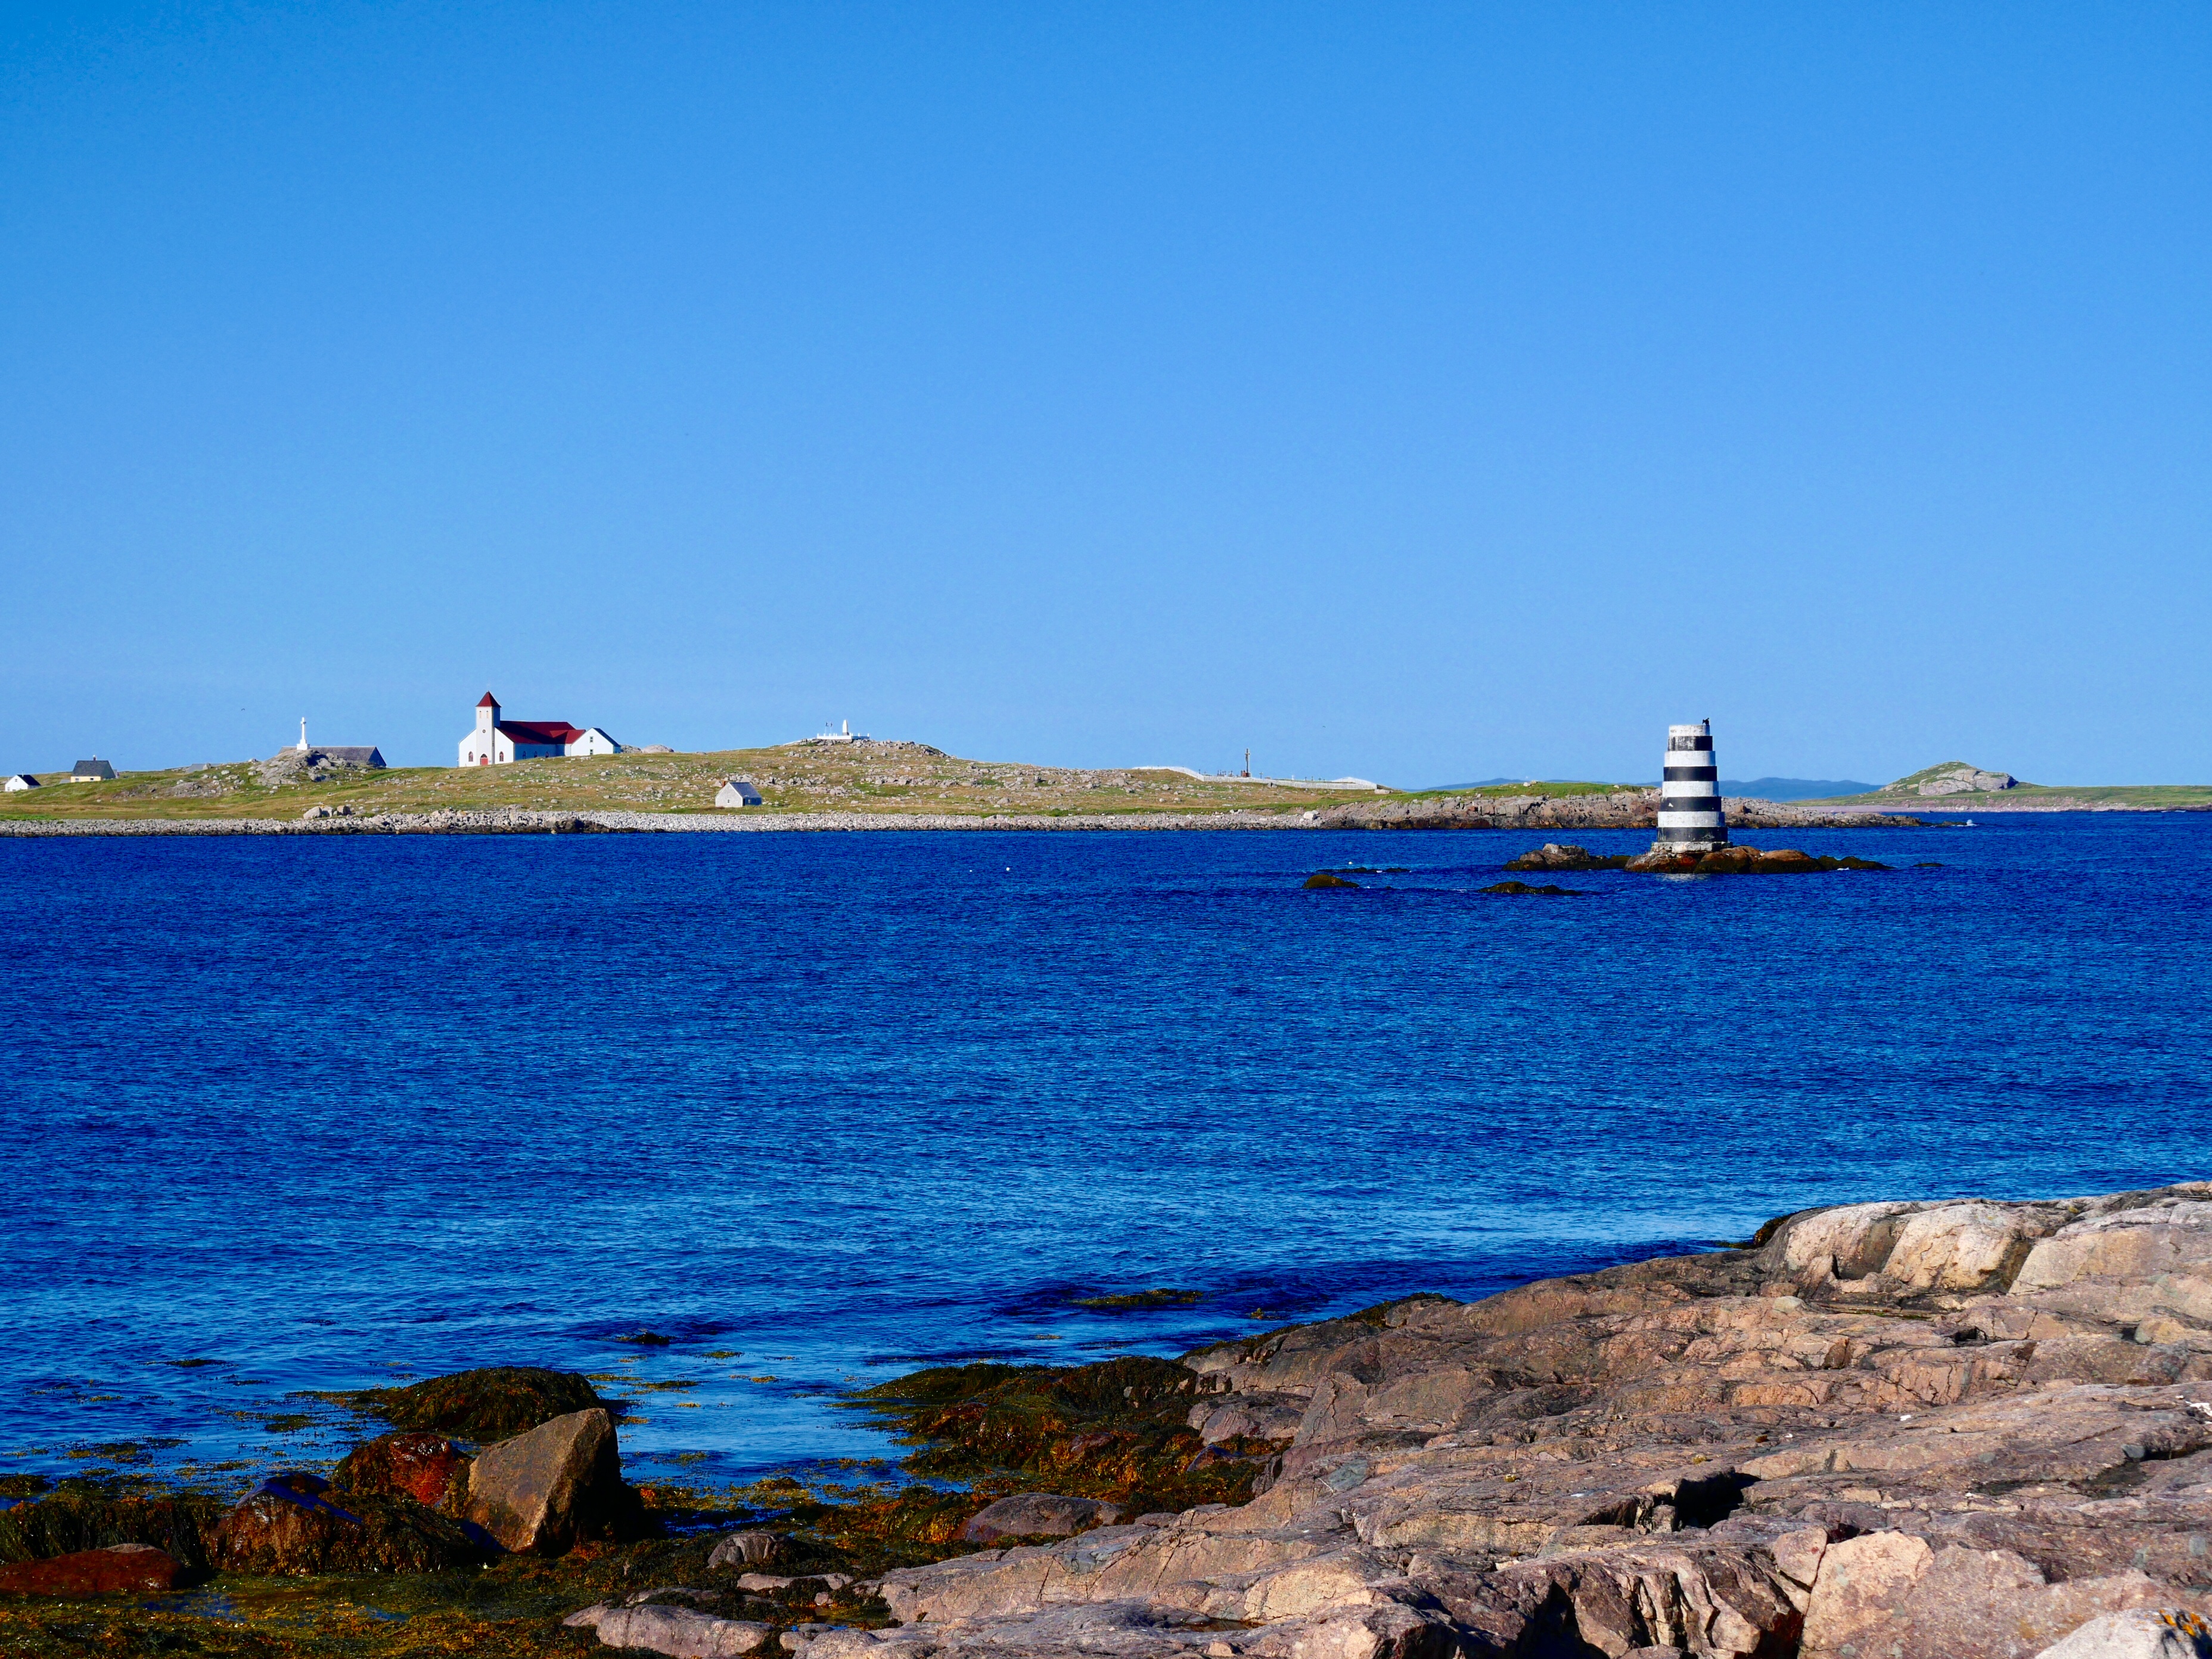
(295, 1524)
(544, 1490)
(1962, 1429)
(118, 1569)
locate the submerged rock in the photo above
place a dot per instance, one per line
(111, 1570)
(1556, 855)
(491, 1403)
(1546, 890)
(1129, 1301)
(543, 1491)
(1037, 1514)
(427, 1467)
(1325, 878)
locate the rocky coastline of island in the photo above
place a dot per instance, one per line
(1959, 1428)
(1619, 810)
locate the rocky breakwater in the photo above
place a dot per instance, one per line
(1962, 1429)
(1724, 861)
(1620, 809)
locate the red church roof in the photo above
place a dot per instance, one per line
(541, 731)
(489, 701)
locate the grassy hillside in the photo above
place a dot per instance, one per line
(801, 777)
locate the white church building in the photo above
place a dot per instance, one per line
(497, 742)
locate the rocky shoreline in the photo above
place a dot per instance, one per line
(1951, 1430)
(1623, 809)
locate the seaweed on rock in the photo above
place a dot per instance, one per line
(492, 1403)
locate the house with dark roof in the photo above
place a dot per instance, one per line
(18, 782)
(495, 741)
(95, 770)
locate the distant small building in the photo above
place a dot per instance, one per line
(17, 780)
(366, 755)
(95, 770)
(737, 791)
(497, 742)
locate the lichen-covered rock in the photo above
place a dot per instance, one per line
(543, 1491)
(295, 1524)
(116, 1569)
(492, 1403)
(425, 1466)
(65, 1522)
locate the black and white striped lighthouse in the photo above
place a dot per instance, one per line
(1690, 818)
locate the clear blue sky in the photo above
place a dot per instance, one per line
(1426, 393)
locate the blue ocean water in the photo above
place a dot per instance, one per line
(289, 1114)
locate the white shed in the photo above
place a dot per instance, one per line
(19, 780)
(737, 791)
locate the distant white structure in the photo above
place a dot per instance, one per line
(737, 791)
(1689, 815)
(497, 742)
(19, 780)
(844, 733)
(357, 754)
(1284, 783)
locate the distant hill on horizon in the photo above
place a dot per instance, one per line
(1796, 788)
(1952, 785)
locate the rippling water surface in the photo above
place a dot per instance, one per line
(280, 1116)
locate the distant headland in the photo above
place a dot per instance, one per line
(1954, 784)
(844, 783)
(530, 777)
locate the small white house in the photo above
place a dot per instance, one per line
(737, 791)
(497, 742)
(17, 780)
